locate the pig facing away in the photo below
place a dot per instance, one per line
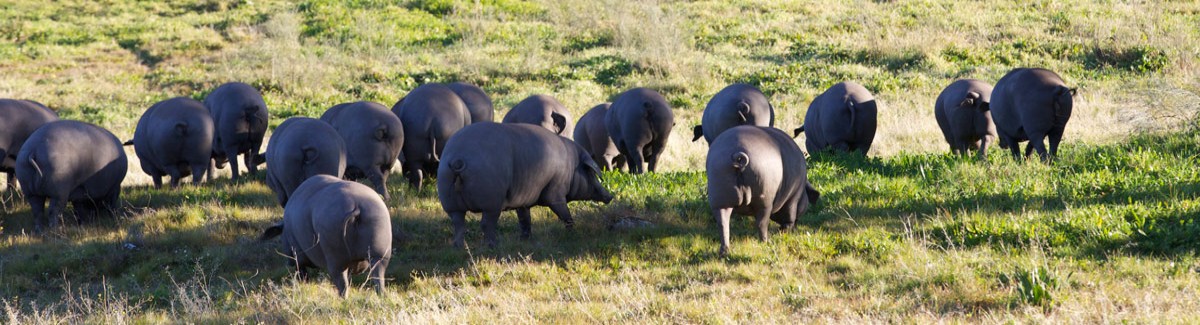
(239, 116)
(737, 104)
(593, 136)
(478, 103)
(842, 118)
(300, 148)
(757, 171)
(431, 113)
(542, 110)
(18, 119)
(1030, 104)
(490, 167)
(373, 137)
(963, 112)
(337, 225)
(71, 161)
(639, 122)
(174, 138)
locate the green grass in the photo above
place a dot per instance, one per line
(1108, 233)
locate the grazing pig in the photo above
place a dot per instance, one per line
(737, 104)
(430, 113)
(842, 118)
(71, 161)
(541, 110)
(963, 113)
(300, 148)
(18, 119)
(760, 171)
(639, 122)
(478, 103)
(592, 135)
(489, 168)
(174, 137)
(373, 137)
(1030, 104)
(239, 115)
(338, 225)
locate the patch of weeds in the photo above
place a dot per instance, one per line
(1034, 286)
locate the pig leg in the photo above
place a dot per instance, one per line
(233, 163)
(1055, 137)
(57, 206)
(564, 214)
(722, 216)
(340, 278)
(12, 181)
(653, 150)
(763, 218)
(157, 181)
(636, 163)
(459, 220)
(176, 176)
(37, 205)
(489, 221)
(1013, 147)
(378, 269)
(248, 159)
(983, 146)
(198, 170)
(526, 222)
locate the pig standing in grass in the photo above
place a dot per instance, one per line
(490, 167)
(373, 137)
(174, 138)
(842, 118)
(964, 114)
(239, 115)
(1031, 105)
(478, 103)
(639, 122)
(737, 104)
(18, 119)
(593, 136)
(300, 148)
(758, 171)
(430, 114)
(71, 161)
(337, 225)
(542, 110)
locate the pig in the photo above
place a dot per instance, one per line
(842, 118)
(1030, 104)
(737, 104)
(239, 117)
(478, 103)
(639, 122)
(71, 161)
(18, 119)
(593, 136)
(760, 171)
(174, 137)
(431, 113)
(373, 137)
(490, 167)
(964, 114)
(339, 225)
(302, 147)
(542, 110)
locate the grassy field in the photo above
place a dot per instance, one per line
(1108, 233)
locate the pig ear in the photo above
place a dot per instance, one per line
(697, 133)
(1074, 91)
(798, 131)
(560, 122)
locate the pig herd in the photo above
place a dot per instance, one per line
(536, 157)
